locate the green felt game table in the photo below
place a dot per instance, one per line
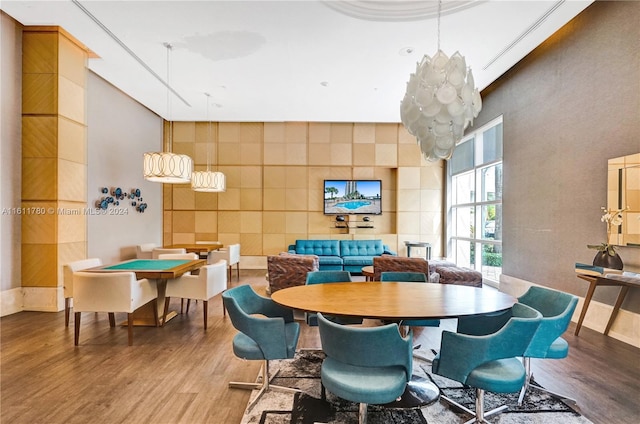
(161, 270)
(154, 268)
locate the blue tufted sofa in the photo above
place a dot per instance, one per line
(347, 255)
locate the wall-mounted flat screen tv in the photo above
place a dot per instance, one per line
(352, 197)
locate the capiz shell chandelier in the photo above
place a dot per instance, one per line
(440, 103)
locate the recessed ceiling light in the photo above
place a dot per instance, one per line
(324, 83)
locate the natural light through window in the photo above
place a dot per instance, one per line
(475, 225)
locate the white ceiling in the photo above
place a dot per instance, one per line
(305, 60)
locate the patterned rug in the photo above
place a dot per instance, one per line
(307, 407)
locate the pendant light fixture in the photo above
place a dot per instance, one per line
(208, 181)
(167, 167)
(440, 103)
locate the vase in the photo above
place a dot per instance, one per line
(605, 260)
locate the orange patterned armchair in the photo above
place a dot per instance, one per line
(286, 270)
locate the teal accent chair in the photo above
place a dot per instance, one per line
(324, 277)
(557, 309)
(266, 331)
(367, 365)
(488, 362)
(411, 277)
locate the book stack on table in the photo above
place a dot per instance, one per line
(598, 271)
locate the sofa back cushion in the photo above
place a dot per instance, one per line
(318, 247)
(361, 248)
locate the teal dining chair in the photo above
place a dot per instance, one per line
(411, 277)
(366, 365)
(266, 331)
(557, 309)
(324, 277)
(488, 362)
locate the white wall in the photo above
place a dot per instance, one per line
(10, 162)
(119, 131)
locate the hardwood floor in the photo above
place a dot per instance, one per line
(179, 373)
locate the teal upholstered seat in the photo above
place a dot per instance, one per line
(415, 277)
(266, 331)
(557, 309)
(324, 277)
(328, 252)
(411, 277)
(342, 255)
(359, 253)
(368, 365)
(489, 362)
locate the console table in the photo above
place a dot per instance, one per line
(427, 248)
(597, 280)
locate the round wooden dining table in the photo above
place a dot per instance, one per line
(394, 301)
(397, 301)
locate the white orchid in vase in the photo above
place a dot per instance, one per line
(613, 218)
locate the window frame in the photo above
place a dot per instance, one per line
(475, 202)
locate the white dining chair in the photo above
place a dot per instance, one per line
(67, 279)
(231, 254)
(111, 292)
(144, 251)
(189, 256)
(157, 251)
(210, 281)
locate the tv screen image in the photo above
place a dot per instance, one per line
(353, 197)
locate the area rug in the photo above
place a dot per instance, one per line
(307, 407)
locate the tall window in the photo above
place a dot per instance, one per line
(475, 181)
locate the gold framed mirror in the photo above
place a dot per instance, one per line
(624, 192)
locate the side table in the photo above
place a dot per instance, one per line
(608, 280)
(368, 273)
(426, 245)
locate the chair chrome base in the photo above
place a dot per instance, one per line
(527, 383)
(264, 386)
(362, 407)
(479, 415)
(362, 413)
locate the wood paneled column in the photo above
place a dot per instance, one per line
(54, 162)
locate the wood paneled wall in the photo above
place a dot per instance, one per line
(275, 173)
(53, 154)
